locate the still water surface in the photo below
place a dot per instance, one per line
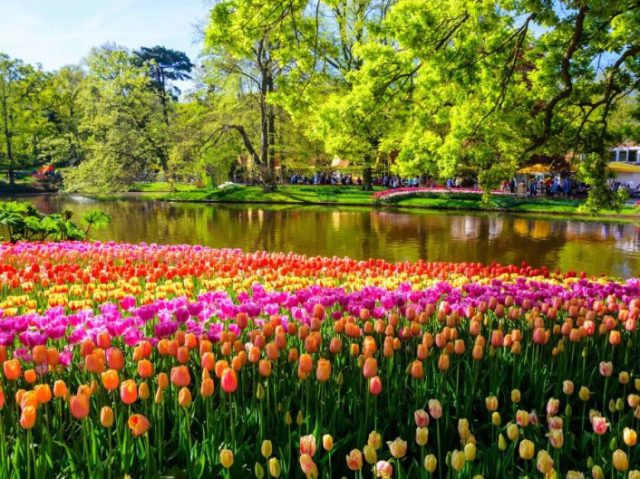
(363, 233)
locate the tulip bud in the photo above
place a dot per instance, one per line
(613, 444)
(370, 454)
(258, 470)
(300, 418)
(584, 393)
(274, 467)
(512, 431)
(567, 387)
(422, 436)
(502, 444)
(568, 410)
(327, 442)
(143, 391)
(470, 451)
(629, 436)
(496, 420)
(597, 472)
(430, 463)
(623, 377)
(266, 449)
(619, 405)
(106, 416)
(374, 440)
(226, 458)
(260, 392)
(620, 460)
(287, 418)
(544, 462)
(526, 449)
(491, 403)
(515, 396)
(457, 460)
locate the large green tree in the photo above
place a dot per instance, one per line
(250, 43)
(496, 85)
(126, 136)
(21, 115)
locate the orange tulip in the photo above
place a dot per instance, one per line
(208, 361)
(180, 376)
(145, 368)
(417, 369)
(115, 359)
(43, 393)
(110, 379)
(264, 367)
(143, 391)
(94, 363)
(28, 398)
(305, 363)
(323, 370)
(163, 380)
(370, 368)
(79, 406)
(106, 416)
(207, 387)
(138, 424)
(184, 397)
(30, 376)
(39, 354)
(229, 381)
(183, 355)
(128, 391)
(59, 389)
(28, 417)
(375, 385)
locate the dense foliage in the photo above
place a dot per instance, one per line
(419, 86)
(22, 222)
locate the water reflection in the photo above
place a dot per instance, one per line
(371, 233)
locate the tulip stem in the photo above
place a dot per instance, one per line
(440, 463)
(86, 447)
(28, 451)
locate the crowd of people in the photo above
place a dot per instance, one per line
(338, 178)
(545, 186)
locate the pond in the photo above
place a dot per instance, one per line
(395, 235)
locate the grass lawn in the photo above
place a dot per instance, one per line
(160, 187)
(345, 195)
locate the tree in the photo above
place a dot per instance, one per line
(60, 102)
(20, 115)
(164, 67)
(320, 93)
(122, 121)
(248, 42)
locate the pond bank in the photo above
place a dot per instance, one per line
(353, 196)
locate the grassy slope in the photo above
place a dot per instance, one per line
(354, 196)
(159, 187)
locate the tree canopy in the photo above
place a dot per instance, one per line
(425, 88)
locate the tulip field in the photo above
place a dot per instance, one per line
(122, 360)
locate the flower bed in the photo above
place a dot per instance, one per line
(146, 359)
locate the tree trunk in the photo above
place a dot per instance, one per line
(270, 180)
(367, 174)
